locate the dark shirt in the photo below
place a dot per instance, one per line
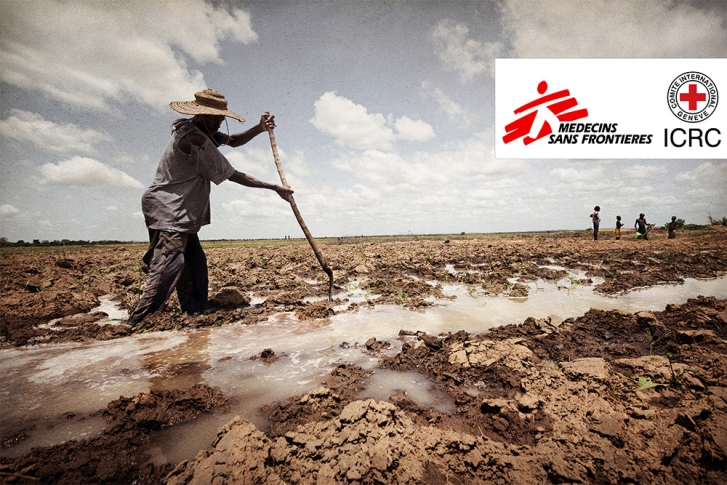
(179, 198)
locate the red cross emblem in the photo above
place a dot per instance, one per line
(692, 97)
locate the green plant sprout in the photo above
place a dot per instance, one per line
(574, 281)
(676, 375)
(652, 340)
(645, 382)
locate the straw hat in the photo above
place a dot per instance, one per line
(207, 102)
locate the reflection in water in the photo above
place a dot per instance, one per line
(181, 366)
(384, 383)
(40, 384)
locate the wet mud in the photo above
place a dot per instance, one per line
(45, 296)
(608, 397)
(541, 402)
(121, 453)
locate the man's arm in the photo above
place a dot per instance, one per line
(250, 181)
(267, 122)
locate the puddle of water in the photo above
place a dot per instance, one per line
(44, 382)
(114, 315)
(48, 433)
(185, 441)
(383, 383)
(110, 308)
(353, 294)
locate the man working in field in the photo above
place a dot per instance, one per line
(642, 227)
(177, 204)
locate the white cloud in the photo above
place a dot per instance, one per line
(578, 175)
(26, 127)
(260, 163)
(704, 172)
(295, 163)
(121, 51)
(362, 195)
(580, 183)
(393, 173)
(254, 161)
(483, 194)
(643, 171)
(413, 130)
(7, 210)
(648, 201)
(126, 159)
(699, 193)
(254, 207)
(469, 161)
(352, 125)
(447, 105)
(351, 201)
(624, 28)
(385, 169)
(460, 53)
(86, 172)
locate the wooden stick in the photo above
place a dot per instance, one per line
(291, 200)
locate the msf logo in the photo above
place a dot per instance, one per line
(558, 103)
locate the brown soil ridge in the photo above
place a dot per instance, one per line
(40, 287)
(542, 402)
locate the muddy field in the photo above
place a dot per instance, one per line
(608, 397)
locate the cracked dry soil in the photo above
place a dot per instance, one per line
(608, 397)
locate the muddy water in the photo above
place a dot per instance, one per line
(42, 385)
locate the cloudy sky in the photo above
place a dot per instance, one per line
(385, 113)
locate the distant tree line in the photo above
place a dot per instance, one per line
(63, 242)
(69, 242)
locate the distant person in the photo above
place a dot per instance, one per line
(673, 227)
(177, 204)
(641, 227)
(596, 222)
(619, 225)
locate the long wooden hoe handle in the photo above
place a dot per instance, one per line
(301, 222)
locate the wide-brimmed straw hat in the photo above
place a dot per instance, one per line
(207, 102)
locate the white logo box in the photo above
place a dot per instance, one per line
(632, 93)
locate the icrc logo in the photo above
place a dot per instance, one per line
(692, 97)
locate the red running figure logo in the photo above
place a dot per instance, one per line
(522, 126)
